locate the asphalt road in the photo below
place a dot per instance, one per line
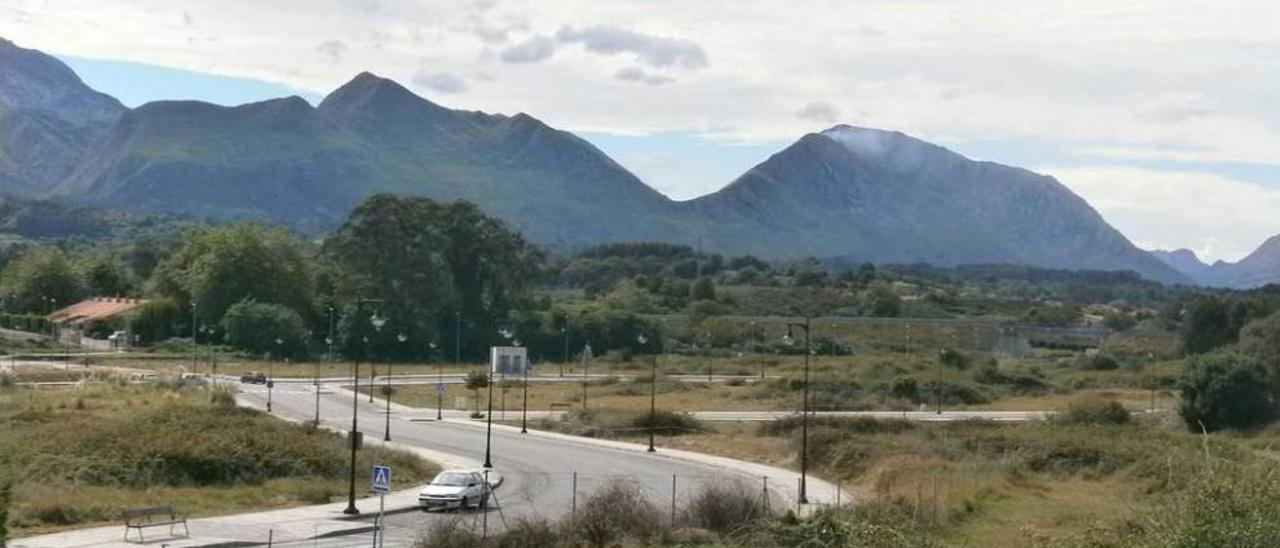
(539, 472)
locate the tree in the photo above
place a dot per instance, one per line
(475, 381)
(427, 260)
(1225, 391)
(1260, 339)
(882, 302)
(155, 321)
(40, 280)
(218, 267)
(1206, 325)
(703, 290)
(106, 275)
(256, 327)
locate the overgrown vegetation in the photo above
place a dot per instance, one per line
(78, 456)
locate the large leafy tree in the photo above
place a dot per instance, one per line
(1206, 325)
(221, 266)
(425, 261)
(1223, 390)
(39, 280)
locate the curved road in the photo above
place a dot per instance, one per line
(539, 470)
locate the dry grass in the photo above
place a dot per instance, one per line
(98, 449)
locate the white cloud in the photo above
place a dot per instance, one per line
(1215, 216)
(819, 111)
(652, 50)
(638, 76)
(332, 48)
(530, 50)
(442, 82)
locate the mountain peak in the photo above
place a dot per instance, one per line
(32, 80)
(369, 88)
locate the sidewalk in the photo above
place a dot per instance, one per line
(252, 529)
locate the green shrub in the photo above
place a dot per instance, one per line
(726, 508)
(1093, 411)
(616, 511)
(1225, 391)
(265, 329)
(668, 423)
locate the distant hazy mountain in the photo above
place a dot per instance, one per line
(48, 117)
(846, 192)
(885, 197)
(1259, 268)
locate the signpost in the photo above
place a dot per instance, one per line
(381, 486)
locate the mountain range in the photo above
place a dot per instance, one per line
(846, 192)
(1259, 268)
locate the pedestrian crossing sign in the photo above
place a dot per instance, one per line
(381, 479)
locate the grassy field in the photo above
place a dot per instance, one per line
(1081, 482)
(77, 456)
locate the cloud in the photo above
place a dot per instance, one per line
(1172, 108)
(1213, 215)
(819, 111)
(442, 82)
(332, 48)
(493, 33)
(531, 50)
(652, 50)
(638, 76)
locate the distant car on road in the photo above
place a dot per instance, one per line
(253, 378)
(455, 489)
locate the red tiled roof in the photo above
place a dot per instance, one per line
(97, 308)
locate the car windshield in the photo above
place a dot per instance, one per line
(452, 479)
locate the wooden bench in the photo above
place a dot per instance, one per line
(155, 516)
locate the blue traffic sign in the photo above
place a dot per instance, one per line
(381, 479)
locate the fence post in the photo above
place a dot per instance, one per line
(271, 537)
(799, 486)
(673, 500)
(766, 494)
(574, 509)
(838, 486)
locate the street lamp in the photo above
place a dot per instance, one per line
(653, 391)
(271, 377)
(439, 383)
(377, 321)
(488, 435)
(586, 365)
(355, 414)
(564, 333)
(804, 413)
(386, 436)
(213, 362)
(195, 348)
(524, 409)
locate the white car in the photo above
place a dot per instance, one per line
(455, 489)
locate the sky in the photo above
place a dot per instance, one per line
(1162, 114)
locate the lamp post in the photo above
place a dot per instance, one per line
(195, 348)
(271, 376)
(937, 389)
(524, 409)
(377, 321)
(488, 434)
(653, 391)
(804, 413)
(328, 341)
(355, 414)
(439, 383)
(586, 365)
(386, 436)
(213, 357)
(564, 333)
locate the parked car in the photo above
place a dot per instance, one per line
(455, 489)
(256, 377)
